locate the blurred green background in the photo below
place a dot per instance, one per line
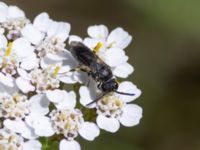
(166, 55)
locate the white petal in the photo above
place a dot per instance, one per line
(32, 34)
(119, 38)
(8, 90)
(109, 124)
(66, 75)
(14, 125)
(89, 131)
(67, 78)
(131, 115)
(30, 63)
(2, 30)
(23, 74)
(32, 145)
(15, 12)
(20, 127)
(39, 104)
(69, 101)
(123, 70)
(63, 54)
(22, 47)
(41, 124)
(42, 21)
(74, 38)
(80, 77)
(6, 80)
(98, 31)
(85, 96)
(115, 57)
(54, 57)
(62, 99)
(3, 6)
(128, 87)
(69, 145)
(3, 12)
(24, 85)
(59, 29)
(91, 43)
(64, 69)
(46, 62)
(55, 96)
(3, 42)
(69, 60)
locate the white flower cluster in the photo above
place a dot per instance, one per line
(35, 68)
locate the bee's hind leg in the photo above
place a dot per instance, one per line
(78, 68)
(71, 70)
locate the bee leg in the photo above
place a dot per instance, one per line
(78, 68)
(71, 70)
(99, 85)
(85, 69)
(97, 99)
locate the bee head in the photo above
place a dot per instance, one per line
(110, 85)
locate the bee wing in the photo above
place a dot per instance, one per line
(82, 53)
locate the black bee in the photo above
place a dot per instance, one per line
(89, 62)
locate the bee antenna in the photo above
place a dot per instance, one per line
(129, 94)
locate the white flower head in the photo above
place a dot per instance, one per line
(12, 20)
(48, 36)
(117, 38)
(14, 55)
(44, 79)
(34, 123)
(69, 121)
(14, 106)
(34, 66)
(113, 108)
(110, 48)
(12, 141)
(17, 110)
(39, 80)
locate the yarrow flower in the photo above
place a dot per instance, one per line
(14, 106)
(39, 80)
(12, 141)
(68, 121)
(49, 37)
(16, 54)
(114, 108)
(12, 20)
(46, 97)
(18, 111)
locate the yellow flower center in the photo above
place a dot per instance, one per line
(68, 126)
(110, 105)
(118, 103)
(62, 117)
(16, 97)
